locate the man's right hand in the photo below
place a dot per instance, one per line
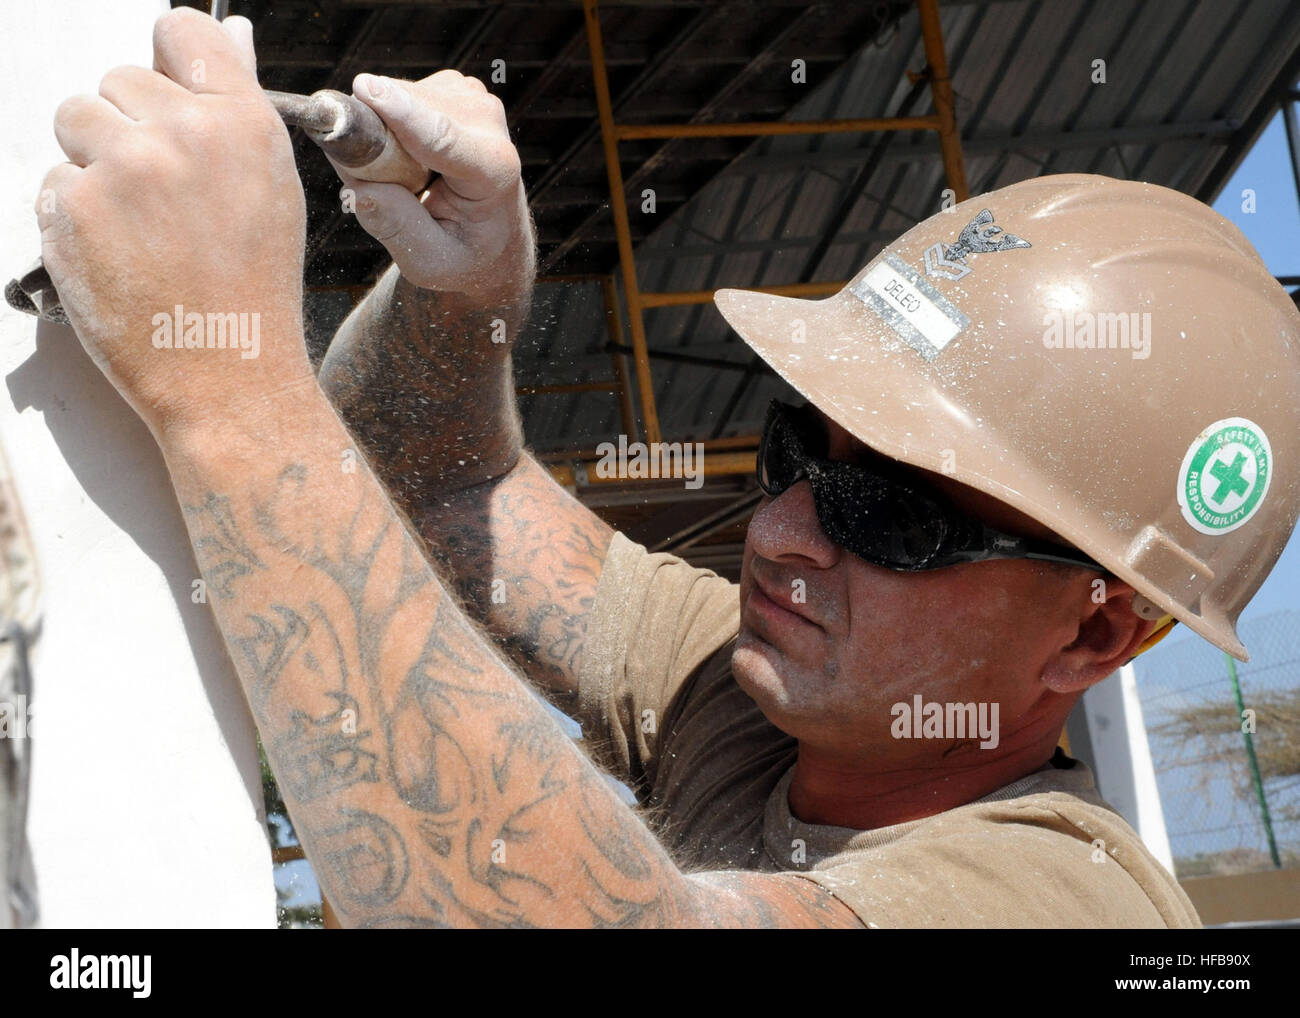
(471, 233)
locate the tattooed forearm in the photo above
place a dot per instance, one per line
(363, 857)
(229, 556)
(427, 783)
(423, 381)
(327, 753)
(262, 651)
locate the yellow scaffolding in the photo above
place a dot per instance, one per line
(943, 121)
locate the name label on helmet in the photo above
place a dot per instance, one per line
(910, 305)
(1225, 475)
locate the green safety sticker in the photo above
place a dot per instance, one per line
(1225, 475)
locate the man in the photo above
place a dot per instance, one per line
(428, 784)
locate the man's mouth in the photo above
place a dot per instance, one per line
(778, 606)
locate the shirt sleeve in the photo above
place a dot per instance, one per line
(656, 622)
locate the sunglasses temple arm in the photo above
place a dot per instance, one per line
(1002, 545)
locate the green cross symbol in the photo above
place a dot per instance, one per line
(1229, 478)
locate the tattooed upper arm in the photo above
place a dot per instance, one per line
(525, 557)
(735, 898)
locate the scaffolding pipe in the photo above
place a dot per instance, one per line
(622, 229)
(673, 357)
(614, 325)
(733, 442)
(756, 129)
(1292, 139)
(675, 298)
(727, 516)
(717, 464)
(954, 167)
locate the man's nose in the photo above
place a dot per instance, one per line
(787, 528)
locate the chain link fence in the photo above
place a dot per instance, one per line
(1226, 748)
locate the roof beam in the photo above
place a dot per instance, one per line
(471, 4)
(1221, 131)
(729, 247)
(1249, 131)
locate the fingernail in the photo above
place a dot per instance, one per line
(375, 86)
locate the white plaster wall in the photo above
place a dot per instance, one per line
(146, 799)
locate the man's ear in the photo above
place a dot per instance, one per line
(1109, 634)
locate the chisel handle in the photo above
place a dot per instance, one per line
(353, 135)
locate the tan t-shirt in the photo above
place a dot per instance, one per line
(661, 710)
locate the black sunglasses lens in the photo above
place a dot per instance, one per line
(781, 456)
(882, 515)
(878, 519)
(864, 511)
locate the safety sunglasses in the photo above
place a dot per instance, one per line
(878, 513)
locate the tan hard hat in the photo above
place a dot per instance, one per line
(1109, 357)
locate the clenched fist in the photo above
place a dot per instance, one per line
(175, 231)
(471, 232)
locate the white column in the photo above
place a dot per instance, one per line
(1125, 774)
(146, 797)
